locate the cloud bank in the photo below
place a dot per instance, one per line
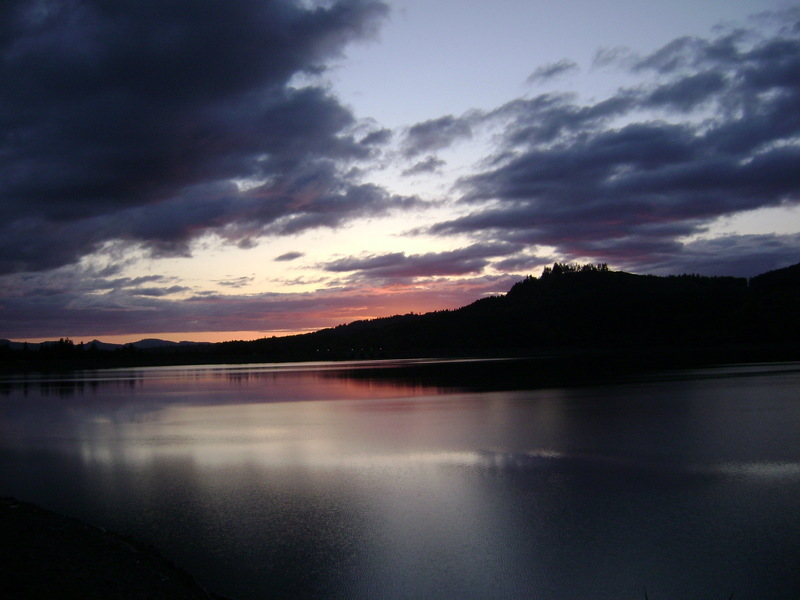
(711, 131)
(135, 120)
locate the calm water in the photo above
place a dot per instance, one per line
(314, 481)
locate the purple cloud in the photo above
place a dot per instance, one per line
(431, 164)
(598, 181)
(435, 134)
(128, 121)
(398, 265)
(289, 256)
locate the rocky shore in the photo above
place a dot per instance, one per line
(47, 555)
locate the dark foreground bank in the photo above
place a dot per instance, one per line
(46, 555)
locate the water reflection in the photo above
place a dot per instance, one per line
(316, 482)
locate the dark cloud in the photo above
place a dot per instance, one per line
(435, 134)
(431, 164)
(464, 261)
(527, 265)
(377, 138)
(599, 181)
(130, 283)
(552, 70)
(159, 292)
(689, 53)
(319, 208)
(738, 255)
(553, 117)
(688, 93)
(129, 120)
(289, 256)
(236, 282)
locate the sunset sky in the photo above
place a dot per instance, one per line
(207, 170)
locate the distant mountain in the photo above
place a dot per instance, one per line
(161, 345)
(98, 345)
(17, 345)
(145, 344)
(153, 343)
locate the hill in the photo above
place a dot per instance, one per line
(574, 307)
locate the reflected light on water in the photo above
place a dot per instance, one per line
(318, 482)
(767, 470)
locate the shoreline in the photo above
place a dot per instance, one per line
(613, 356)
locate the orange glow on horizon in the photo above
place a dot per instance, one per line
(334, 309)
(186, 336)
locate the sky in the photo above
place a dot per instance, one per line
(208, 171)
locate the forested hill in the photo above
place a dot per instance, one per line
(569, 308)
(576, 307)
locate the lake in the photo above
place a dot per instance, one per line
(370, 480)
